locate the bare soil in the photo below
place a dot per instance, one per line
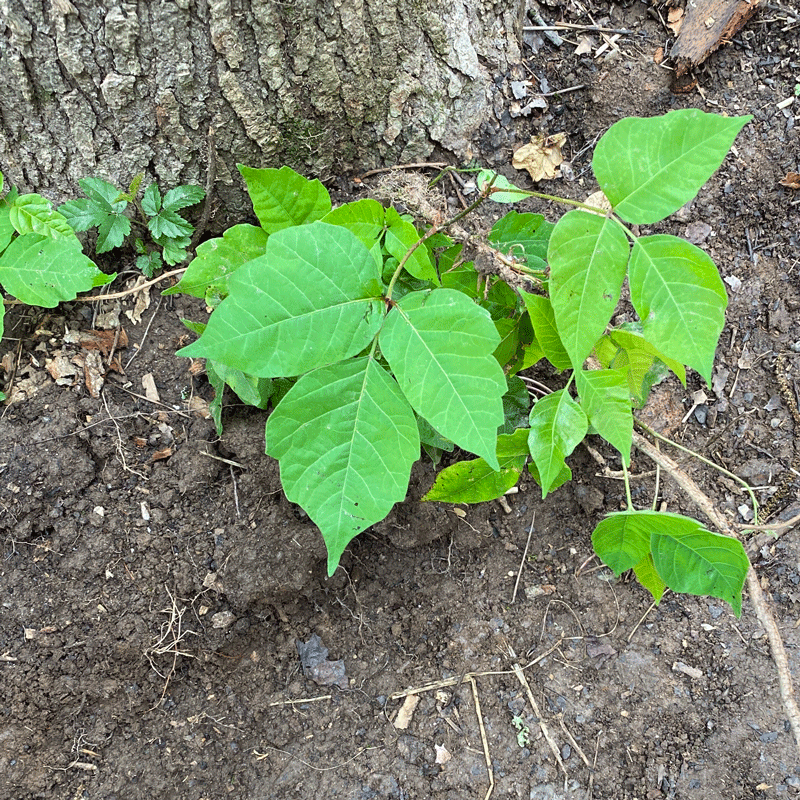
(153, 594)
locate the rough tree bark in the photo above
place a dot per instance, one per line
(110, 88)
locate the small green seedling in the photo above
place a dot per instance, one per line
(373, 339)
(41, 260)
(157, 219)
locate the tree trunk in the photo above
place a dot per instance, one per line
(109, 89)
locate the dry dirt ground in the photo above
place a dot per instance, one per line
(153, 594)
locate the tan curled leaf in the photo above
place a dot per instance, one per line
(542, 157)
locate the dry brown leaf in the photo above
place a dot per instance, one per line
(541, 157)
(675, 20)
(149, 386)
(585, 45)
(791, 181)
(142, 302)
(61, 369)
(199, 406)
(160, 455)
(93, 372)
(403, 718)
(598, 200)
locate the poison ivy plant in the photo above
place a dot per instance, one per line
(393, 341)
(157, 219)
(41, 261)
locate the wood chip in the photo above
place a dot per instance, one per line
(403, 718)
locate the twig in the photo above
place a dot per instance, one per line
(484, 741)
(571, 26)
(418, 165)
(117, 295)
(760, 603)
(301, 700)
(522, 562)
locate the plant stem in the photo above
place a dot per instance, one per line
(627, 486)
(744, 484)
(433, 229)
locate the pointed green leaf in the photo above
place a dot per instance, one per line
(151, 200)
(646, 574)
(622, 540)
(217, 259)
(170, 224)
(401, 236)
(104, 194)
(508, 330)
(112, 232)
(588, 257)
(680, 298)
(439, 345)
(428, 435)
(346, 440)
(564, 476)
(364, 218)
(523, 236)
(174, 250)
(502, 190)
(606, 400)
(218, 385)
(644, 364)
(6, 228)
(83, 214)
(516, 406)
(313, 298)
(41, 271)
(691, 559)
(558, 426)
(475, 481)
(250, 390)
(544, 326)
(182, 197)
(32, 213)
(282, 198)
(649, 168)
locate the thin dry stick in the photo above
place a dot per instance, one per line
(760, 603)
(301, 700)
(483, 738)
(117, 295)
(542, 724)
(522, 563)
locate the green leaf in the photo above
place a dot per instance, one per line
(691, 559)
(83, 214)
(217, 259)
(680, 298)
(313, 298)
(605, 398)
(41, 271)
(182, 197)
(218, 385)
(282, 198)
(622, 540)
(428, 435)
(346, 440)
(112, 232)
(6, 228)
(149, 264)
(251, 391)
(649, 168)
(365, 218)
(558, 425)
(173, 250)
(401, 236)
(516, 406)
(465, 279)
(686, 556)
(170, 224)
(646, 574)
(508, 330)
(32, 213)
(565, 476)
(502, 190)
(523, 236)
(151, 200)
(475, 481)
(588, 255)
(439, 345)
(104, 194)
(543, 321)
(644, 364)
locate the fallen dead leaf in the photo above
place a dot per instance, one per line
(142, 302)
(199, 406)
(791, 181)
(61, 369)
(149, 386)
(162, 454)
(585, 45)
(93, 372)
(442, 754)
(598, 200)
(541, 157)
(675, 20)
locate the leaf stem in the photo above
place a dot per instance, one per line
(626, 478)
(744, 484)
(433, 229)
